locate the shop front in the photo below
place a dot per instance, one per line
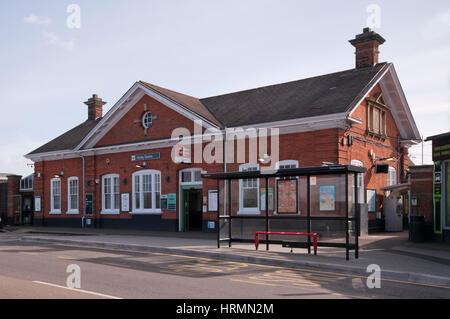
(441, 186)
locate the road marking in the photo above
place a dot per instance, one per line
(257, 265)
(77, 290)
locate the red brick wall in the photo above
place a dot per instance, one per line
(422, 189)
(309, 148)
(13, 190)
(382, 148)
(126, 131)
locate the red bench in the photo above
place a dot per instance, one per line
(314, 235)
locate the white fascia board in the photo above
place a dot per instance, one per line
(338, 120)
(108, 119)
(177, 107)
(407, 109)
(50, 156)
(376, 79)
(305, 122)
(126, 103)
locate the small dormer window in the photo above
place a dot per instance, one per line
(376, 115)
(147, 120)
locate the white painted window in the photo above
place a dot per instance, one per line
(249, 191)
(110, 194)
(72, 195)
(26, 183)
(55, 196)
(392, 176)
(360, 183)
(287, 164)
(191, 176)
(147, 192)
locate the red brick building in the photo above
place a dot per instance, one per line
(116, 169)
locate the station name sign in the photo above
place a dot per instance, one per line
(145, 157)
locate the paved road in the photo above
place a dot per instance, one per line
(39, 271)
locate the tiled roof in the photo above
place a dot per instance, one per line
(322, 95)
(192, 103)
(68, 140)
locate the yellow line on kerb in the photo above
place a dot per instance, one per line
(253, 264)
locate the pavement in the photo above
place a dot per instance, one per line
(399, 259)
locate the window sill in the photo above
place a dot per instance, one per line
(72, 212)
(146, 212)
(277, 213)
(249, 212)
(110, 212)
(54, 212)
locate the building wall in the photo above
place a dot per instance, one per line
(364, 143)
(309, 148)
(422, 189)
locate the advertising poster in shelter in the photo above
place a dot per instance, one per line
(287, 196)
(327, 198)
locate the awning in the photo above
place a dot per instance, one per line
(397, 187)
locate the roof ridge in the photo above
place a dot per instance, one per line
(293, 81)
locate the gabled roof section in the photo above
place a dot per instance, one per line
(316, 96)
(190, 102)
(331, 96)
(68, 140)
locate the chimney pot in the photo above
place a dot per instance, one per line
(366, 45)
(95, 107)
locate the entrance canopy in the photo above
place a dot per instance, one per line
(318, 200)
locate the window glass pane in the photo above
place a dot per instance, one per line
(137, 192)
(116, 201)
(147, 191)
(250, 198)
(107, 201)
(186, 177)
(198, 176)
(73, 194)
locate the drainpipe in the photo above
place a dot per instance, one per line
(84, 193)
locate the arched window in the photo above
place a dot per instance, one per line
(147, 192)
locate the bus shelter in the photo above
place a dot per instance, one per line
(318, 200)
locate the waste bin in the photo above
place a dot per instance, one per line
(417, 229)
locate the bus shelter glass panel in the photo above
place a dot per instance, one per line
(327, 196)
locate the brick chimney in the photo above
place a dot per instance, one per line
(366, 45)
(95, 107)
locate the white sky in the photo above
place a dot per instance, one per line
(202, 48)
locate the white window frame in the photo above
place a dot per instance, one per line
(277, 166)
(391, 181)
(112, 210)
(52, 200)
(149, 211)
(360, 180)
(70, 210)
(192, 181)
(286, 162)
(242, 209)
